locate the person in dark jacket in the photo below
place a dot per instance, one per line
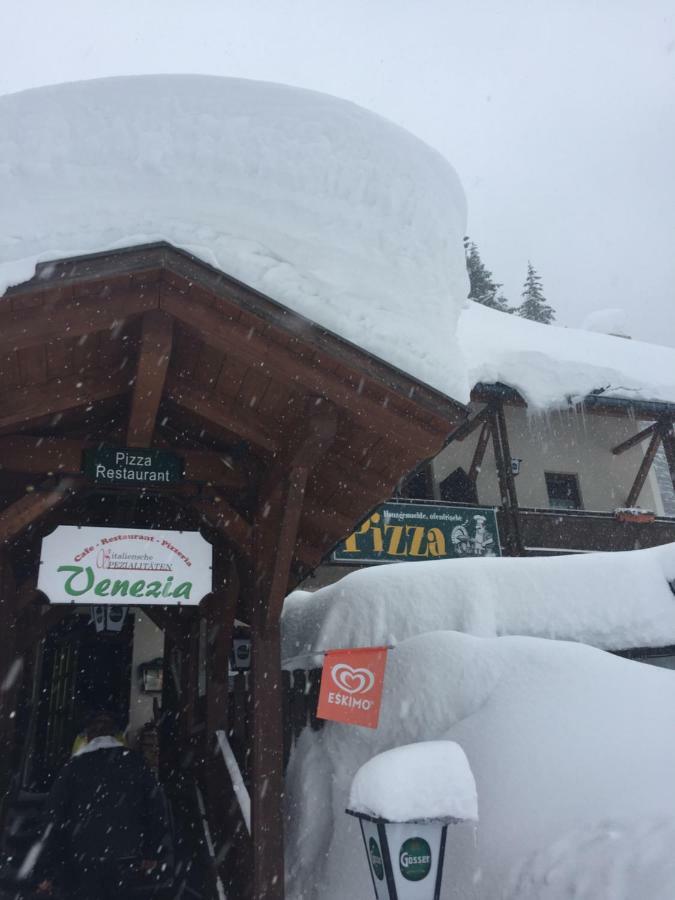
(106, 823)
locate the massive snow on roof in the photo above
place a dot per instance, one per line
(327, 208)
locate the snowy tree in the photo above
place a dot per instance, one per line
(484, 289)
(534, 305)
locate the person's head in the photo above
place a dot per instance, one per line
(100, 723)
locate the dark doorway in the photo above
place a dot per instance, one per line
(82, 670)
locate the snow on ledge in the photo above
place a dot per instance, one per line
(416, 783)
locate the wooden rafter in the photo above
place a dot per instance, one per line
(153, 365)
(233, 339)
(66, 319)
(645, 466)
(25, 511)
(46, 456)
(246, 426)
(26, 404)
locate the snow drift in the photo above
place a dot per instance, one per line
(560, 737)
(611, 600)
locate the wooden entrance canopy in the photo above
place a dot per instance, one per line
(290, 435)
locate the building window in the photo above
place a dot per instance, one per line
(417, 485)
(563, 491)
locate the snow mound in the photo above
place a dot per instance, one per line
(552, 366)
(608, 861)
(327, 208)
(429, 780)
(561, 737)
(611, 600)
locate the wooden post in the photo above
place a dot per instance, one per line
(10, 667)
(669, 448)
(274, 540)
(645, 466)
(507, 485)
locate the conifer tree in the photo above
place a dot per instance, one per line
(484, 289)
(534, 305)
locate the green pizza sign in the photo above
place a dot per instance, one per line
(399, 531)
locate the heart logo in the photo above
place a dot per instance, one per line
(352, 681)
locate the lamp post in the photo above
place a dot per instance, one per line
(405, 799)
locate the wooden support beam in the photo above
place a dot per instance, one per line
(274, 540)
(220, 615)
(25, 404)
(46, 456)
(153, 365)
(24, 512)
(669, 449)
(645, 466)
(479, 452)
(239, 421)
(275, 362)
(635, 439)
(507, 485)
(67, 319)
(468, 427)
(218, 513)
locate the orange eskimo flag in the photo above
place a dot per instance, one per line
(351, 685)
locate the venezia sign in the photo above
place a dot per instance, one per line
(124, 465)
(411, 531)
(125, 566)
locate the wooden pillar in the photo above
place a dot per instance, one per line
(507, 484)
(10, 667)
(668, 438)
(275, 535)
(645, 466)
(220, 623)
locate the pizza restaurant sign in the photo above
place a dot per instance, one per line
(125, 566)
(412, 531)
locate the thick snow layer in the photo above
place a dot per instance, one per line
(551, 366)
(612, 600)
(332, 211)
(615, 860)
(561, 737)
(428, 780)
(327, 208)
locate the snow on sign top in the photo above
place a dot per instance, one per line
(326, 208)
(416, 782)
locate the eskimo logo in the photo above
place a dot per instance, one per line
(414, 859)
(376, 859)
(352, 681)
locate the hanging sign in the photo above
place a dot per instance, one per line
(351, 685)
(398, 532)
(119, 566)
(124, 465)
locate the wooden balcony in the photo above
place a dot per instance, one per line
(577, 531)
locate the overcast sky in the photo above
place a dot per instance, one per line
(558, 115)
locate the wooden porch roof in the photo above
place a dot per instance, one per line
(150, 347)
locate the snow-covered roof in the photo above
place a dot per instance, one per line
(551, 366)
(323, 206)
